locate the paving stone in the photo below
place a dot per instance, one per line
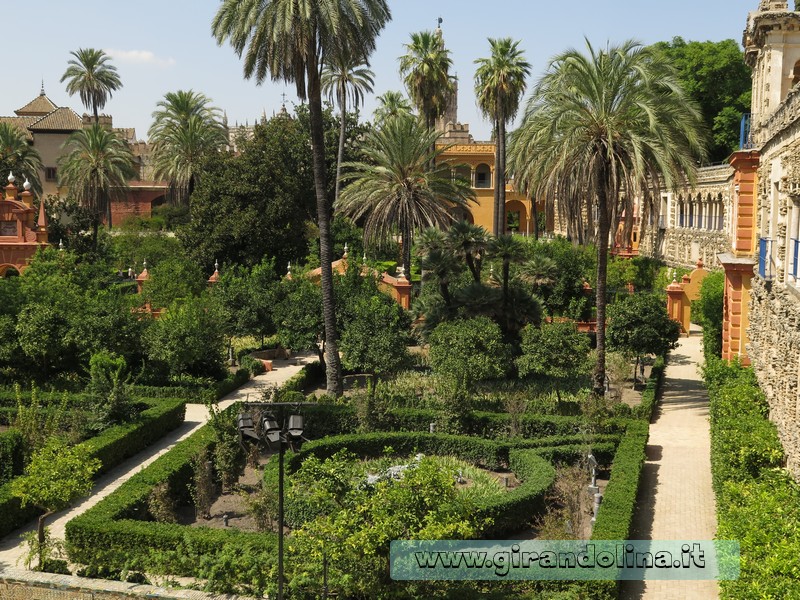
(676, 501)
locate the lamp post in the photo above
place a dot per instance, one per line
(273, 432)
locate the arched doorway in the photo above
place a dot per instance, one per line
(516, 217)
(9, 271)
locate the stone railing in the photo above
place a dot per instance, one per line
(767, 127)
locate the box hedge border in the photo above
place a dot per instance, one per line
(111, 447)
(106, 536)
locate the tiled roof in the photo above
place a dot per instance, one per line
(21, 123)
(38, 107)
(61, 119)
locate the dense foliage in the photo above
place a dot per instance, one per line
(708, 311)
(715, 75)
(751, 486)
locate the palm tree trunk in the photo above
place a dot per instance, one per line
(535, 218)
(476, 276)
(599, 377)
(342, 132)
(501, 173)
(333, 369)
(496, 224)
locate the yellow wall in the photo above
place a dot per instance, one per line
(474, 155)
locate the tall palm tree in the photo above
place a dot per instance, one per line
(92, 77)
(601, 124)
(288, 40)
(185, 129)
(96, 168)
(499, 85)
(391, 104)
(345, 77)
(18, 156)
(395, 190)
(425, 69)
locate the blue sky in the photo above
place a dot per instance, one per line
(166, 45)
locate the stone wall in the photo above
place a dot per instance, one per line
(17, 584)
(684, 247)
(774, 352)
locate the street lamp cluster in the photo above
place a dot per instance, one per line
(274, 430)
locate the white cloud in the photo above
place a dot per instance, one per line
(139, 57)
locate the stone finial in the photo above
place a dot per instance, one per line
(27, 185)
(11, 178)
(345, 250)
(699, 263)
(214, 276)
(674, 286)
(289, 268)
(401, 272)
(42, 222)
(130, 272)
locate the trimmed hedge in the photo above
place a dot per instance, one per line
(10, 455)
(310, 374)
(758, 503)
(647, 408)
(12, 515)
(118, 443)
(509, 512)
(111, 447)
(615, 516)
(226, 386)
(108, 536)
(514, 509)
(485, 453)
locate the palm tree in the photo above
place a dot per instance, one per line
(96, 168)
(499, 85)
(185, 129)
(508, 249)
(391, 104)
(287, 40)
(345, 77)
(18, 156)
(468, 241)
(425, 69)
(92, 77)
(599, 125)
(395, 190)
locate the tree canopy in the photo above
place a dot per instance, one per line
(91, 75)
(598, 123)
(715, 75)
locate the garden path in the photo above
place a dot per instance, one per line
(676, 501)
(12, 548)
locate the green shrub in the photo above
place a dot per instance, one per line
(758, 503)
(11, 455)
(111, 447)
(252, 364)
(709, 313)
(231, 383)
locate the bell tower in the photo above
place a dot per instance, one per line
(772, 51)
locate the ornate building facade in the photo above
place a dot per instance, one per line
(47, 127)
